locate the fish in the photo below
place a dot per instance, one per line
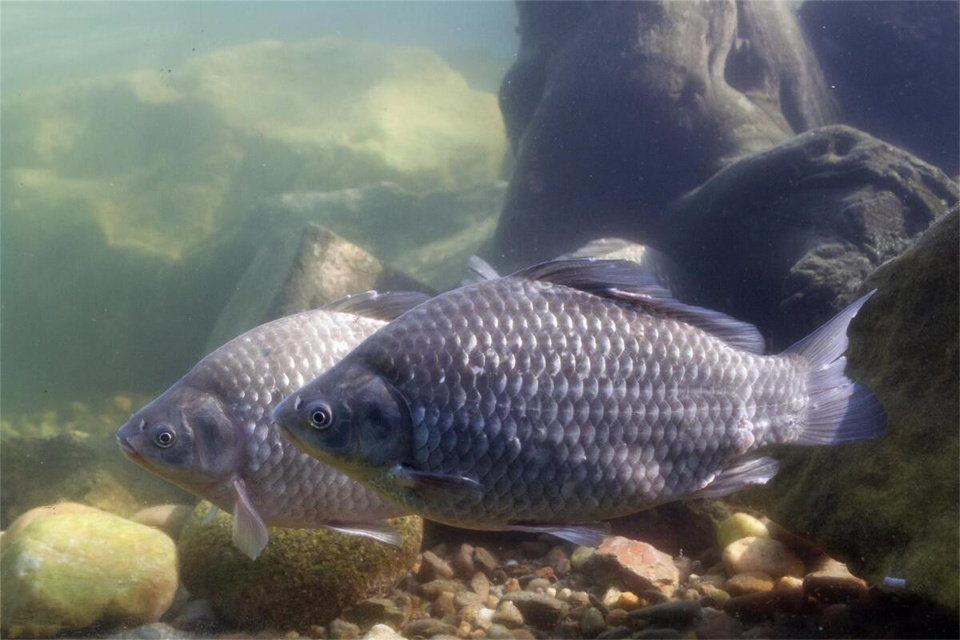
(211, 432)
(570, 393)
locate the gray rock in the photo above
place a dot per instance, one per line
(785, 239)
(892, 502)
(433, 589)
(508, 615)
(196, 615)
(538, 609)
(498, 632)
(592, 623)
(433, 567)
(299, 267)
(468, 599)
(155, 631)
(371, 611)
(614, 109)
(427, 628)
(381, 632)
(340, 629)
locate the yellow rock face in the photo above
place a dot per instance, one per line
(69, 571)
(160, 160)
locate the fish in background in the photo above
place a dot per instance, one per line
(569, 393)
(211, 432)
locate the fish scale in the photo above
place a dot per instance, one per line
(558, 396)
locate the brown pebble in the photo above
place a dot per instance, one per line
(628, 601)
(291, 634)
(443, 606)
(523, 634)
(617, 617)
(492, 601)
(432, 567)
(432, 590)
(317, 632)
(511, 585)
(478, 633)
(546, 573)
(480, 585)
(789, 582)
(462, 562)
(484, 561)
(561, 568)
(467, 599)
(463, 631)
(748, 582)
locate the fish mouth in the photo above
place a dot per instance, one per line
(127, 450)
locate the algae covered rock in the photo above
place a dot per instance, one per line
(889, 507)
(69, 571)
(303, 577)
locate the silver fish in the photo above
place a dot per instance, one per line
(211, 432)
(570, 393)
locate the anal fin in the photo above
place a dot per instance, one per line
(249, 532)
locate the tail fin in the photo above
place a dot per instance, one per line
(840, 409)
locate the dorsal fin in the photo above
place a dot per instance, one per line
(378, 306)
(631, 283)
(478, 270)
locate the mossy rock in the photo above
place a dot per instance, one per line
(890, 506)
(303, 577)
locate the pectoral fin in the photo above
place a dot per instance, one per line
(380, 531)
(585, 535)
(249, 532)
(438, 485)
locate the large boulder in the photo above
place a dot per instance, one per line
(117, 191)
(785, 238)
(889, 507)
(303, 577)
(69, 571)
(616, 108)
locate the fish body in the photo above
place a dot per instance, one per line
(570, 393)
(211, 432)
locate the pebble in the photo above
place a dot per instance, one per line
(579, 598)
(464, 629)
(833, 583)
(716, 625)
(370, 611)
(195, 615)
(564, 594)
(592, 623)
(154, 631)
(761, 554)
(580, 556)
(468, 599)
(615, 633)
(523, 634)
(511, 586)
(480, 585)
(789, 582)
(492, 601)
(432, 567)
(659, 634)
(628, 601)
(498, 632)
(638, 565)
(443, 606)
(538, 585)
(677, 612)
(748, 582)
(462, 562)
(427, 628)
(739, 526)
(538, 609)
(484, 618)
(617, 617)
(381, 632)
(432, 590)
(714, 595)
(611, 597)
(508, 615)
(340, 629)
(484, 561)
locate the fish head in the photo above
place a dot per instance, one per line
(350, 417)
(184, 436)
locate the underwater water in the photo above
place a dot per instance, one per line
(696, 423)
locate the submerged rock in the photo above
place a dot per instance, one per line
(303, 577)
(69, 571)
(889, 507)
(636, 565)
(740, 525)
(755, 554)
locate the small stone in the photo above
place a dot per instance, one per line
(480, 585)
(432, 567)
(579, 598)
(371, 611)
(340, 629)
(765, 603)
(523, 634)
(476, 634)
(538, 609)
(498, 632)
(508, 615)
(684, 566)
(616, 618)
(443, 606)
(463, 631)
(687, 594)
(195, 615)
(713, 595)
(317, 632)
(468, 599)
(484, 618)
(484, 561)
(616, 633)
(748, 582)
(761, 554)
(592, 623)
(833, 583)
(427, 628)
(717, 625)
(611, 597)
(551, 591)
(580, 556)
(564, 594)
(381, 632)
(556, 553)
(432, 590)
(511, 585)
(789, 582)
(712, 579)
(676, 612)
(638, 565)
(561, 568)
(739, 526)
(628, 601)
(492, 601)
(462, 562)
(538, 585)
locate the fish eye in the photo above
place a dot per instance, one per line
(321, 416)
(164, 438)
